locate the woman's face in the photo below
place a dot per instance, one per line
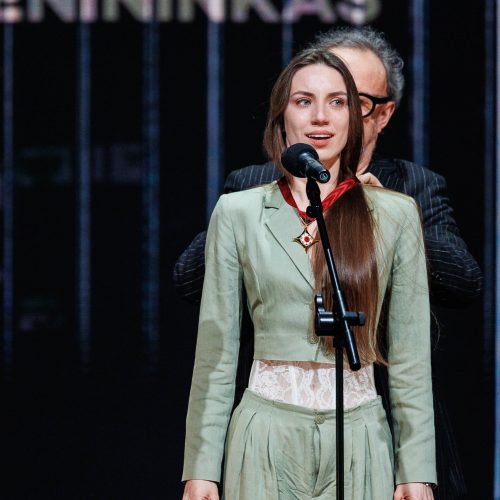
(317, 112)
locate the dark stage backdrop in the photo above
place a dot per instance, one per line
(117, 135)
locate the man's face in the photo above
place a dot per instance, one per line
(370, 78)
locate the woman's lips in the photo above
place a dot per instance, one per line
(320, 138)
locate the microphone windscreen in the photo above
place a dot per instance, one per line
(290, 158)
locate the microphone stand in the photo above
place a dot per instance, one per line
(336, 324)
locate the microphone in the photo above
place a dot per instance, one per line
(302, 160)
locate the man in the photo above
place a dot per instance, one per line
(455, 277)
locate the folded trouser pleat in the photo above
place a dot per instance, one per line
(379, 456)
(279, 451)
(249, 472)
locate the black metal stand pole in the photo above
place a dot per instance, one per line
(339, 415)
(337, 324)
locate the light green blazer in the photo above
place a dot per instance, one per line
(250, 242)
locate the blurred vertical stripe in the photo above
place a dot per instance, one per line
(419, 108)
(215, 114)
(83, 195)
(286, 40)
(8, 195)
(151, 192)
(491, 361)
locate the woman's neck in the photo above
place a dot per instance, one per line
(298, 189)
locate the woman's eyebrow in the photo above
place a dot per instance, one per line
(311, 94)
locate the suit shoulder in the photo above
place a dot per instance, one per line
(247, 199)
(417, 172)
(404, 168)
(249, 169)
(252, 175)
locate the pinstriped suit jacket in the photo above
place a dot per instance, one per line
(455, 277)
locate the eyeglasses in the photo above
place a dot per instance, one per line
(368, 103)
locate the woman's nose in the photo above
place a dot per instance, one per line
(319, 115)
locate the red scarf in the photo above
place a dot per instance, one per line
(332, 197)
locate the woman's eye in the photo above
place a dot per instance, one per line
(303, 102)
(338, 102)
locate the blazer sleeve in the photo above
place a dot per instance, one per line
(455, 276)
(409, 370)
(212, 388)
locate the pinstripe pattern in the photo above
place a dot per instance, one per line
(455, 276)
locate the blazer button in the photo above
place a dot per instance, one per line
(319, 419)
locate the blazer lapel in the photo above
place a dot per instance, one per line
(284, 224)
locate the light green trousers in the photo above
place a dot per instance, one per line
(279, 451)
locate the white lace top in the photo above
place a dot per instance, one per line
(310, 384)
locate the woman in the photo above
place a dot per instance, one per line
(280, 442)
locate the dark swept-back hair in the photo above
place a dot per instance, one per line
(349, 222)
(367, 38)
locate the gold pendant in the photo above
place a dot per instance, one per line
(305, 239)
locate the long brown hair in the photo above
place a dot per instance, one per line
(349, 222)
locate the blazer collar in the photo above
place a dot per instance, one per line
(284, 223)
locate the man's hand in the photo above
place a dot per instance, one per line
(413, 491)
(199, 489)
(369, 179)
